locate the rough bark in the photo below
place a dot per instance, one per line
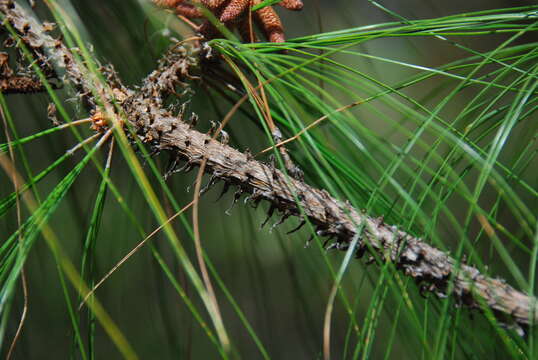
(162, 130)
(20, 85)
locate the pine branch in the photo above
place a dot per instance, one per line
(157, 126)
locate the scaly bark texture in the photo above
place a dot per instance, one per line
(20, 85)
(164, 131)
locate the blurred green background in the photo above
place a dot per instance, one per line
(281, 287)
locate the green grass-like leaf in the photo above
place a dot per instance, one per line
(445, 150)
